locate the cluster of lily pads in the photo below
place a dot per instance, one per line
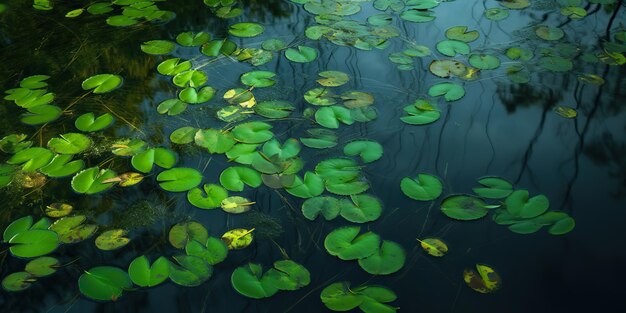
(124, 13)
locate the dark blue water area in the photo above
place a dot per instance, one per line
(499, 128)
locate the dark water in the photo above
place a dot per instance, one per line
(499, 128)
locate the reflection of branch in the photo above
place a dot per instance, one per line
(531, 144)
(618, 5)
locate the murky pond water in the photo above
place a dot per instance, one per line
(312, 156)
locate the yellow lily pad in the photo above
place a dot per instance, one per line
(484, 280)
(57, 210)
(434, 246)
(238, 238)
(112, 239)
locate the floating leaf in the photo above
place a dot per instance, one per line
(193, 96)
(234, 178)
(484, 61)
(179, 179)
(246, 29)
(494, 188)
(91, 180)
(332, 78)
(14, 143)
(41, 114)
(311, 186)
(104, 283)
(183, 135)
(565, 111)
(213, 251)
(339, 297)
(126, 179)
(181, 233)
(273, 44)
(274, 109)
(361, 208)
(450, 91)
(89, 123)
(347, 244)
(424, 187)
(42, 266)
(238, 238)
(460, 33)
(218, 47)
(465, 208)
(288, 275)
(249, 281)
(519, 204)
(32, 159)
(112, 239)
(302, 54)
(73, 229)
(486, 280)
(453, 47)
(173, 66)
(144, 275)
(158, 47)
(18, 281)
(417, 16)
(420, 113)
(319, 138)
(388, 260)
(496, 14)
(33, 243)
(121, 21)
(253, 132)
(327, 206)
(447, 68)
(128, 147)
(236, 205)
(70, 143)
(331, 116)
(549, 33)
(191, 39)
(57, 210)
(562, 226)
(368, 151)
(6, 175)
(258, 79)
(190, 271)
(215, 141)
(591, 79)
(434, 246)
(210, 197)
(102, 83)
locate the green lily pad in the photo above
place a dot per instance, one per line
(274, 108)
(333, 78)
(190, 78)
(319, 138)
(89, 123)
(144, 275)
(347, 244)
(213, 251)
(460, 33)
(214, 140)
(6, 175)
(450, 91)
(424, 187)
(320, 96)
(104, 283)
(182, 233)
(102, 83)
(465, 208)
(420, 113)
(519, 204)
(33, 243)
(288, 150)
(301, 54)
(173, 107)
(42, 266)
(145, 161)
(158, 47)
(368, 151)
(17, 226)
(218, 47)
(417, 16)
(273, 44)
(112, 239)
(32, 159)
(253, 132)
(360, 208)
(494, 188)
(234, 178)
(190, 271)
(249, 281)
(311, 186)
(327, 206)
(484, 61)
(388, 260)
(331, 116)
(496, 14)
(183, 135)
(128, 147)
(194, 96)
(18, 281)
(191, 39)
(14, 143)
(210, 197)
(453, 47)
(70, 143)
(556, 64)
(246, 29)
(287, 275)
(549, 33)
(179, 179)
(258, 79)
(121, 21)
(173, 66)
(91, 180)
(339, 297)
(73, 229)
(41, 114)
(563, 226)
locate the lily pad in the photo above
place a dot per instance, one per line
(18, 281)
(209, 197)
(191, 39)
(361, 208)
(288, 275)
(32, 159)
(214, 140)
(145, 161)
(519, 204)
(92, 180)
(450, 91)
(73, 229)
(102, 83)
(253, 132)
(368, 151)
(347, 244)
(333, 78)
(465, 208)
(236, 205)
(311, 186)
(388, 260)
(190, 271)
(89, 123)
(484, 280)
(112, 239)
(33, 243)
(460, 33)
(158, 47)
(424, 187)
(249, 281)
(433, 246)
(179, 179)
(234, 178)
(339, 297)
(494, 188)
(238, 238)
(453, 47)
(327, 206)
(246, 29)
(301, 54)
(213, 251)
(145, 275)
(70, 143)
(182, 233)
